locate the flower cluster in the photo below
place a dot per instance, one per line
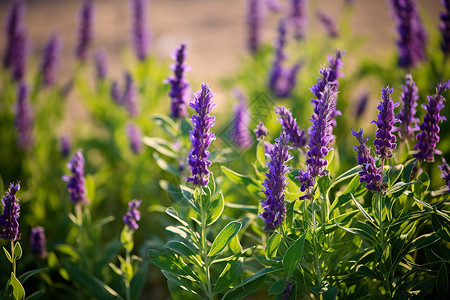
(140, 33)
(11, 209)
(445, 172)
(320, 137)
(239, 133)
(76, 183)
(130, 95)
(135, 136)
(101, 64)
(133, 215)
(254, 21)
(369, 173)
(85, 32)
(297, 17)
(412, 39)
(444, 26)
(179, 84)
(428, 137)
(275, 183)
(296, 137)
(406, 116)
(64, 146)
(200, 136)
(38, 242)
(50, 60)
(260, 131)
(24, 117)
(328, 23)
(385, 141)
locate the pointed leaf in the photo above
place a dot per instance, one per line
(17, 251)
(224, 237)
(17, 289)
(8, 256)
(215, 209)
(293, 256)
(272, 245)
(229, 275)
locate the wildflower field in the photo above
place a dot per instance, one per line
(322, 175)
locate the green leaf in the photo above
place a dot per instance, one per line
(166, 259)
(441, 226)
(229, 275)
(235, 245)
(17, 251)
(183, 249)
(355, 187)
(165, 166)
(293, 256)
(139, 279)
(126, 238)
(272, 245)
(399, 187)
(423, 241)
(394, 173)
(423, 182)
(18, 291)
(261, 153)
(277, 287)
(166, 123)
(178, 291)
(189, 195)
(251, 184)
(163, 146)
(90, 187)
(224, 237)
(345, 175)
(116, 270)
(24, 277)
(171, 212)
(409, 166)
(363, 211)
(366, 272)
(215, 209)
(68, 250)
(249, 285)
(442, 280)
(8, 256)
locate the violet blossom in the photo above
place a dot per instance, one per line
(276, 183)
(115, 93)
(11, 209)
(239, 132)
(297, 17)
(50, 60)
(135, 137)
(444, 26)
(85, 30)
(254, 23)
(329, 24)
(445, 172)
(406, 116)
(24, 117)
(76, 182)
(65, 146)
(141, 35)
(133, 215)
(101, 64)
(260, 131)
(38, 242)
(201, 136)
(130, 96)
(296, 136)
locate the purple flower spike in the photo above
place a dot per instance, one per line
(65, 146)
(50, 60)
(320, 137)
(24, 118)
(428, 137)
(287, 291)
(254, 22)
(444, 26)
(369, 173)
(140, 33)
(135, 137)
(275, 183)
(115, 93)
(297, 17)
(261, 131)
(38, 242)
(85, 30)
(412, 36)
(76, 182)
(180, 86)
(361, 105)
(445, 172)
(130, 96)
(200, 136)
(11, 209)
(240, 133)
(406, 116)
(328, 23)
(101, 64)
(133, 215)
(385, 141)
(296, 137)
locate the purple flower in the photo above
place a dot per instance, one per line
(15, 39)
(254, 22)
(428, 137)
(320, 137)
(135, 136)
(282, 80)
(179, 84)
(24, 118)
(38, 242)
(444, 26)
(19, 57)
(369, 173)
(328, 23)
(140, 33)
(445, 172)
(274, 5)
(65, 146)
(239, 132)
(297, 17)
(260, 131)
(200, 136)
(385, 141)
(361, 105)
(412, 36)
(133, 215)
(11, 209)
(275, 183)
(50, 60)
(287, 291)
(130, 96)
(101, 64)
(85, 30)
(115, 93)
(76, 182)
(296, 137)
(406, 116)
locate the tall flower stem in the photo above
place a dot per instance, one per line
(205, 248)
(13, 258)
(127, 282)
(81, 235)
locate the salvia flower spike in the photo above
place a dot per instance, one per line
(85, 30)
(329, 24)
(101, 63)
(8, 220)
(130, 96)
(201, 136)
(38, 242)
(445, 172)
(407, 115)
(297, 137)
(240, 133)
(50, 60)
(298, 17)
(369, 173)
(428, 137)
(135, 136)
(15, 51)
(180, 86)
(254, 23)
(133, 215)
(385, 141)
(141, 35)
(275, 183)
(76, 185)
(261, 131)
(444, 26)
(24, 117)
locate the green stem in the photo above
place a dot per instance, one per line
(13, 258)
(81, 235)
(127, 281)
(205, 252)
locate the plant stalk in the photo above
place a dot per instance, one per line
(205, 252)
